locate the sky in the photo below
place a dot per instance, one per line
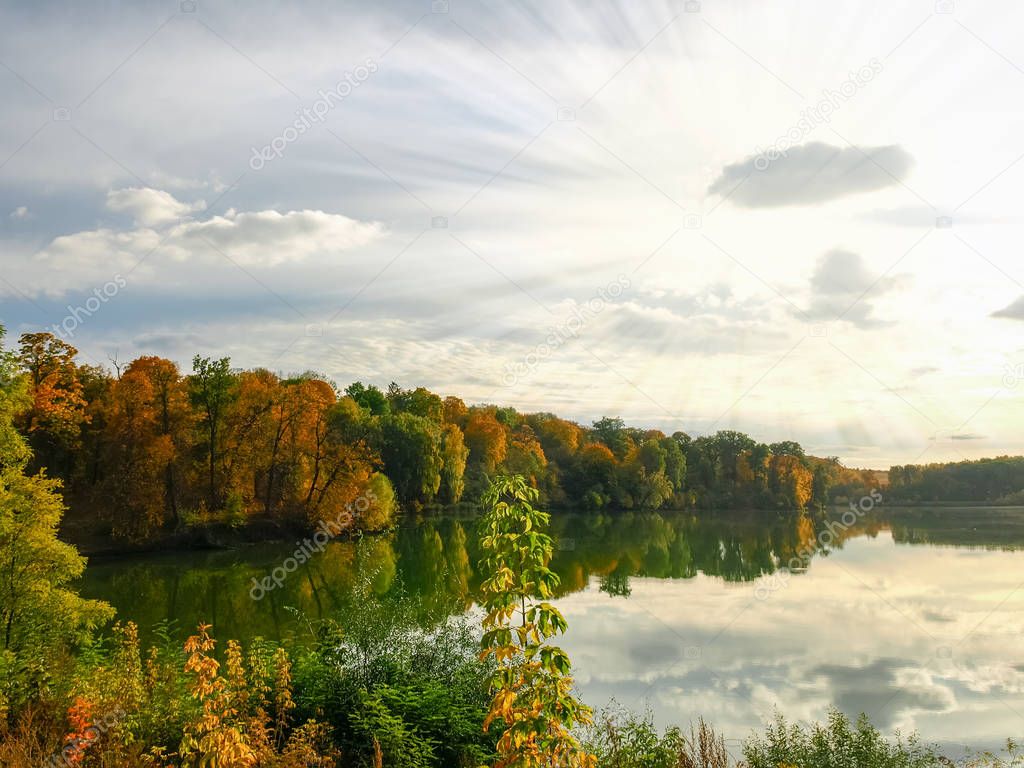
(800, 220)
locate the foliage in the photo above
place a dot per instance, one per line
(151, 451)
(211, 390)
(531, 685)
(623, 739)
(998, 479)
(385, 680)
(835, 744)
(41, 618)
(411, 450)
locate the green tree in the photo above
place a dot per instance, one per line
(612, 432)
(411, 450)
(454, 454)
(211, 388)
(40, 617)
(369, 398)
(531, 684)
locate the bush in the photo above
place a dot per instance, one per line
(380, 512)
(836, 744)
(417, 695)
(622, 739)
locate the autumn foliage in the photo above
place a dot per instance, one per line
(154, 449)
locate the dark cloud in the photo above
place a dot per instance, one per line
(810, 174)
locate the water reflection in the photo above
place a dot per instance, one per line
(432, 562)
(911, 615)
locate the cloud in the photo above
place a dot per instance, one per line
(21, 212)
(873, 689)
(1012, 311)
(249, 239)
(842, 288)
(150, 207)
(707, 321)
(811, 173)
(267, 238)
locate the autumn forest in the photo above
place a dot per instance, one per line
(148, 448)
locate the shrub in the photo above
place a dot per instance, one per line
(836, 744)
(622, 739)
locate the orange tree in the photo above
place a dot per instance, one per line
(531, 684)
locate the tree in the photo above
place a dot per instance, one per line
(559, 438)
(455, 411)
(612, 432)
(645, 468)
(39, 616)
(211, 388)
(675, 464)
(411, 450)
(58, 410)
(728, 446)
(525, 456)
(786, 448)
(419, 402)
(369, 398)
(595, 476)
(454, 454)
(378, 513)
(531, 685)
(253, 429)
(486, 439)
(792, 481)
(14, 399)
(174, 417)
(135, 453)
(334, 471)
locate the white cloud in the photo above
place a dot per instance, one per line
(268, 238)
(150, 207)
(250, 239)
(21, 212)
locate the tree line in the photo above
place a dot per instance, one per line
(147, 447)
(996, 480)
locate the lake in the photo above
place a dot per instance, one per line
(914, 616)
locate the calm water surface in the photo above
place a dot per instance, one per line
(913, 616)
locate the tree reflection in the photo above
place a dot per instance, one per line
(429, 564)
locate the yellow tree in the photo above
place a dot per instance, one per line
(486, 439)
